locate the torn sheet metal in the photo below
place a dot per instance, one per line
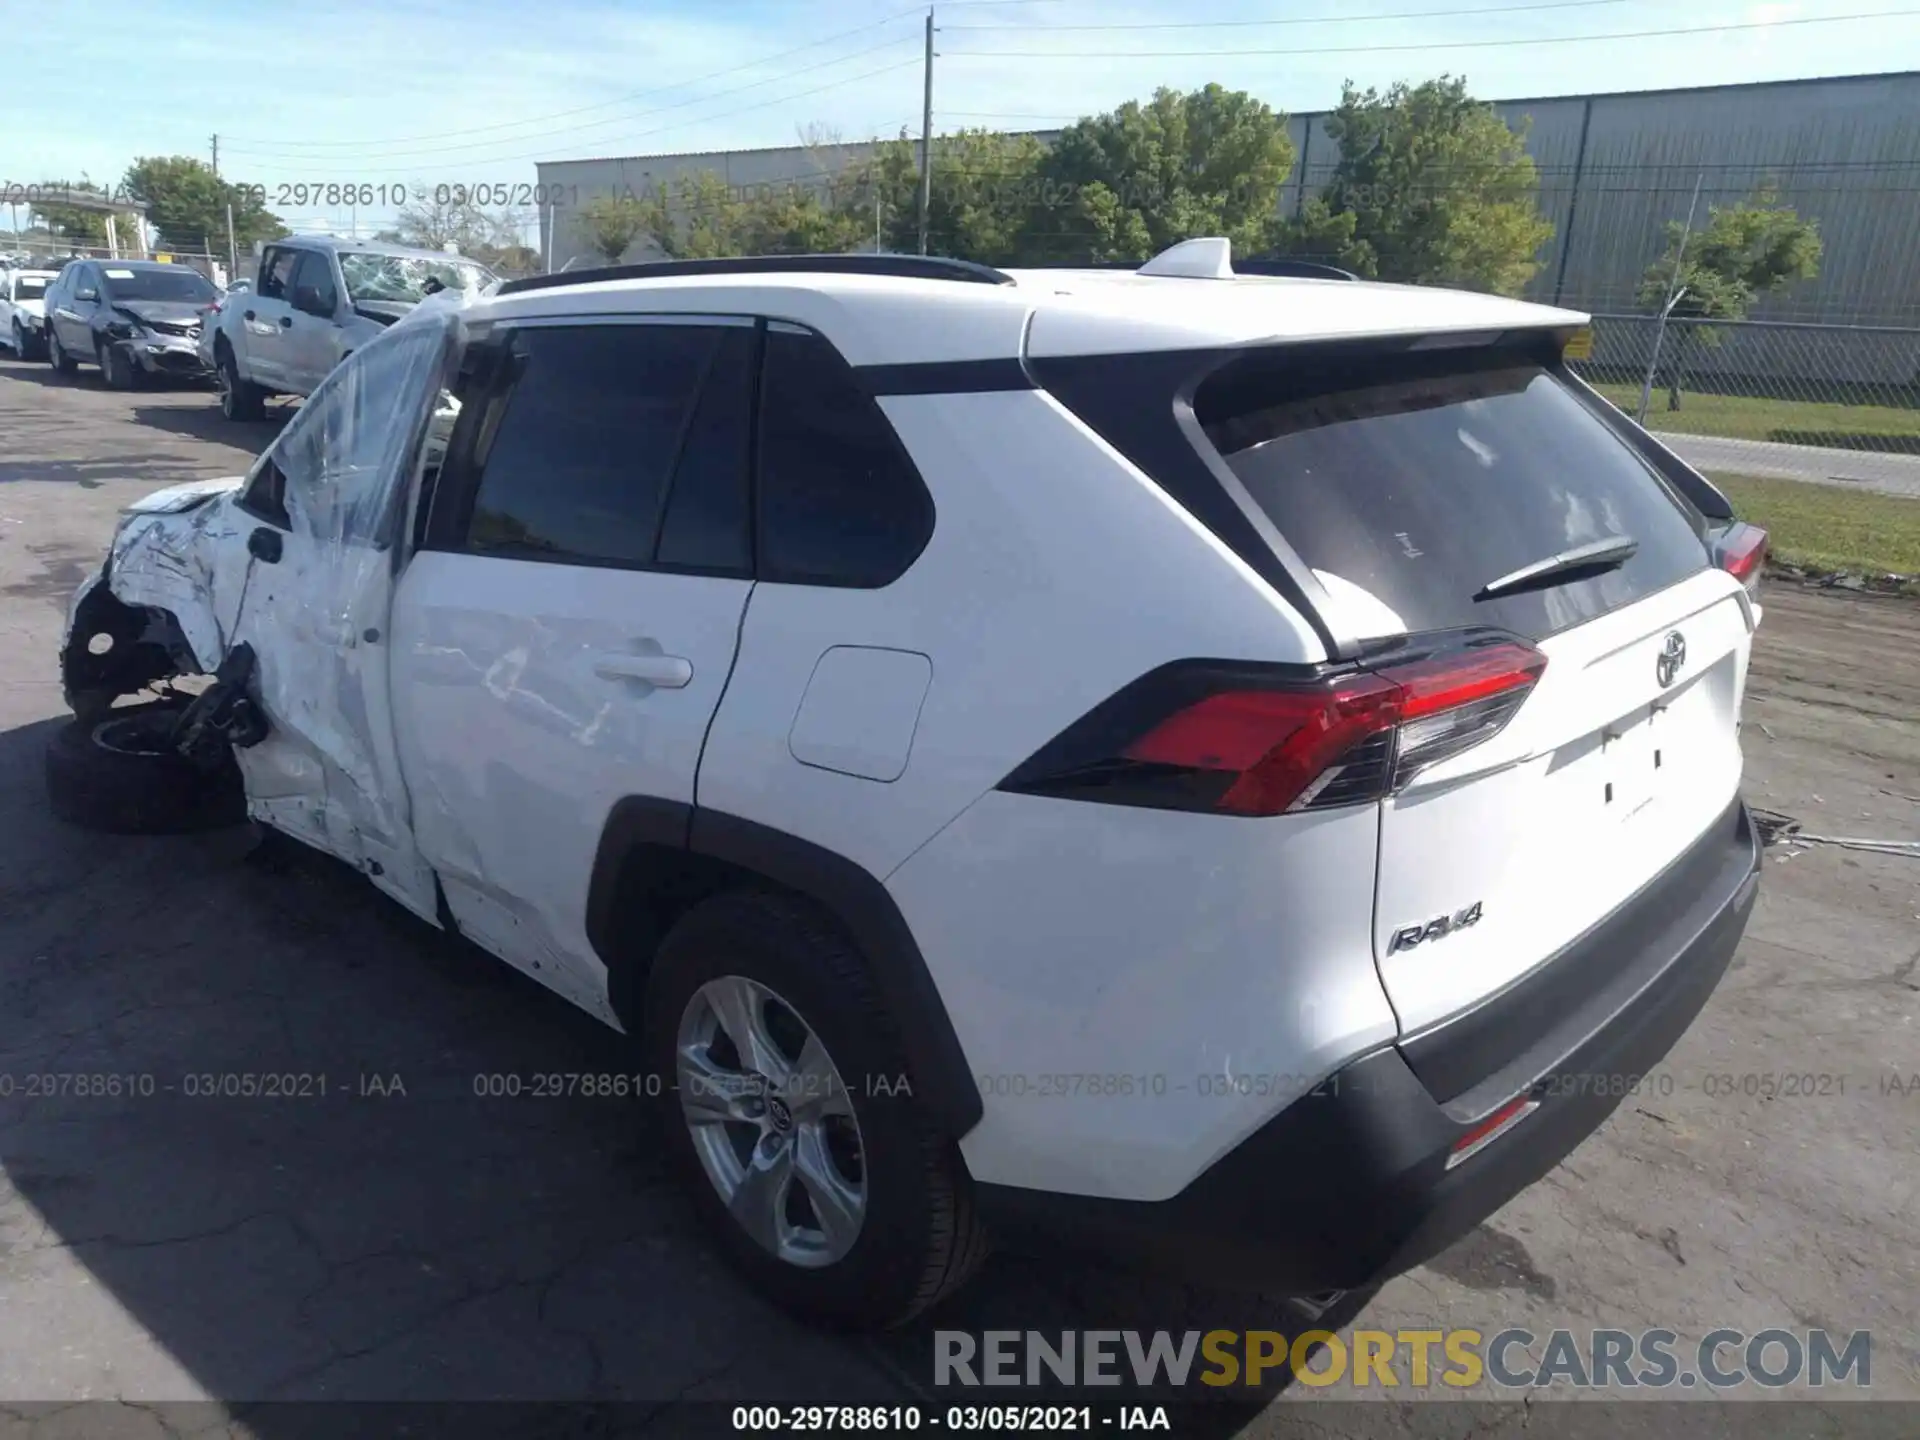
(163, 557)
(318, 618)
(337, 484)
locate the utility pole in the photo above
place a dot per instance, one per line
(1675, 292)
(216, 157)
(233, 250)
(926, 137)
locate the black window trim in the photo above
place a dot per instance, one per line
(276, 514)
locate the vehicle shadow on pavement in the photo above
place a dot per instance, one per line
(255, 1147)
(205, 422)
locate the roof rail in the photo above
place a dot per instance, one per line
(909, 267)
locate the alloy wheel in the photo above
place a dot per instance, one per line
(771, 1121)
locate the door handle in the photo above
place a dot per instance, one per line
(666, 672)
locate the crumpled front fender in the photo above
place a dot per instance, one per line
(154, 600)
(165, 557)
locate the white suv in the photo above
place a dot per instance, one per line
(1239, 772)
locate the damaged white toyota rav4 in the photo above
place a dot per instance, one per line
(1235, 772)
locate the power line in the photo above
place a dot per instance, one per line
(658, 130)
(605, 104)
(1301, 19)
(436, 152)
(1431, 45)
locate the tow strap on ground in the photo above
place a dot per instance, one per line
(1778, 829)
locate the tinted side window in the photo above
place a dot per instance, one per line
(708, 524)
(276, 272)
(576, 466)
(315, 274)
(840, 503)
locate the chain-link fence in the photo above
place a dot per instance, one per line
(41, 254)
(1805, 402)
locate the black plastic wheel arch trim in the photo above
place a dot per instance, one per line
(846, 890)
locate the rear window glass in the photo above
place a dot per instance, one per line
(29, 287)
(1420, 485)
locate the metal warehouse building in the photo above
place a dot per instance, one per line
(1613, 170)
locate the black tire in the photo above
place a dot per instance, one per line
(57, 356)
(117, 369)
(102, 776)
(239, 399)
(921, 1236)
(25, 346)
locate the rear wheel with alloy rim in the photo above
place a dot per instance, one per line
(63, 363)
(791, 1114)
(771, 1121)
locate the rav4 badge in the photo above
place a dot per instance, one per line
(1437, 928)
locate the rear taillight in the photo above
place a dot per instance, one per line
(1742, 553)
(1252, 741)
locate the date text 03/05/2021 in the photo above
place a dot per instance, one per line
(893, 1419)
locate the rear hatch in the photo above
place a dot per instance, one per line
(1422, 486)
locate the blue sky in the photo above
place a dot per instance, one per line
(436, 92)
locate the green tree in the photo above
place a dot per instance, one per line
(71, 223)
(611, 223)
(1745, 251)
(187, 203)
(1441, 190)
(986, 188)
(1125, 185)
(695, 217)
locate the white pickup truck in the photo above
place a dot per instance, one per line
(314, 301)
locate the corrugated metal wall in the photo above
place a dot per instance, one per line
(1613, 170)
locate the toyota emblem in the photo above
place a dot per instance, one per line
(1673, 658)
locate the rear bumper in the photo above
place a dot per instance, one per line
(1350, 1184)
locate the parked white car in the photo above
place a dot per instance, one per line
(1237, 774)
(23, 311)
(314, 301)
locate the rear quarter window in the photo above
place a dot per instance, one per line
(1421, 478)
